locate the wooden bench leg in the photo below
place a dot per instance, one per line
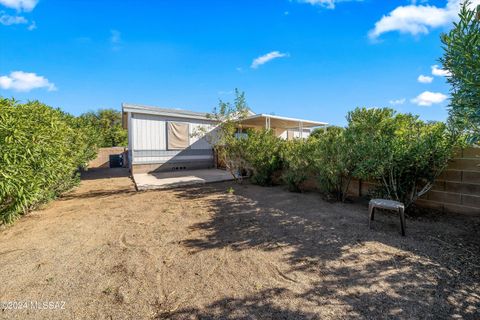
(371, 214)
(401, 211)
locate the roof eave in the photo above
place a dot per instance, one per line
(127, 107)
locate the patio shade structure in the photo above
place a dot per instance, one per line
(268, 121)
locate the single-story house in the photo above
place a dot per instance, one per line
(161, 139)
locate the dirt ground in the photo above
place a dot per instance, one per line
(109, 252)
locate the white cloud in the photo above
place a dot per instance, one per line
(25, 81)
(25, 5)
(329, 4)
(436, 71)
(428, 98)
(424, 79)
(397, 101)
(267, 57)
(417, 19)
(8, 20)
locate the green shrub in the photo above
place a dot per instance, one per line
(332, 161)
(400, 153)
(369, 137)
(257, 154)
(261, 151)
(41, 150)
(297, 158)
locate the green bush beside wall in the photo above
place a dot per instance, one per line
(41, 150)
(400, 153)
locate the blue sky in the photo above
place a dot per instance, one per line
(315, 59)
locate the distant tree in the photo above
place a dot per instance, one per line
(108, 124)
(462, 59)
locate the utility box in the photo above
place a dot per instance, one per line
(116, 161)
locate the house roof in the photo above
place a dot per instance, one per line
(136, 108)
(252, 119)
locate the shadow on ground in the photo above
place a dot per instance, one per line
(434, 272)
(104, 173)
(256, 307)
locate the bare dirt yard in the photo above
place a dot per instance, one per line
(110, 252)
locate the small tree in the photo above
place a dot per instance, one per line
(226, 144)
(400, 153)
(462, 59)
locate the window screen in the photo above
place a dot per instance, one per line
(177, 135)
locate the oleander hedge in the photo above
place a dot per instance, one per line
(399, 153)
(41, 152)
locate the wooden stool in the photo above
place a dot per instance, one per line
(389, 205)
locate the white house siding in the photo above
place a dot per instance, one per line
(149, 141)
(197, 135)
(293, 134)
(148, 132)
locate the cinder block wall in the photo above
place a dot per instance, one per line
(456, 190)
(103, 157)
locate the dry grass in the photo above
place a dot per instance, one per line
(260, 253)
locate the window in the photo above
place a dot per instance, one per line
(177, 135)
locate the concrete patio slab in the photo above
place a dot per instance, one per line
(166, 180)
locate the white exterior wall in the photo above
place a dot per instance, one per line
(148, 139)
(296, 134)
(197, 135)
(149, 132)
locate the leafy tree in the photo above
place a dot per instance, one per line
(462, 59)
(108, 124)
(400, 153)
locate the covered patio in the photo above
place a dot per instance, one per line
(284, 127)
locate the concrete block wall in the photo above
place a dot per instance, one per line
(456, 190)
(103, 157)
(458, 187)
